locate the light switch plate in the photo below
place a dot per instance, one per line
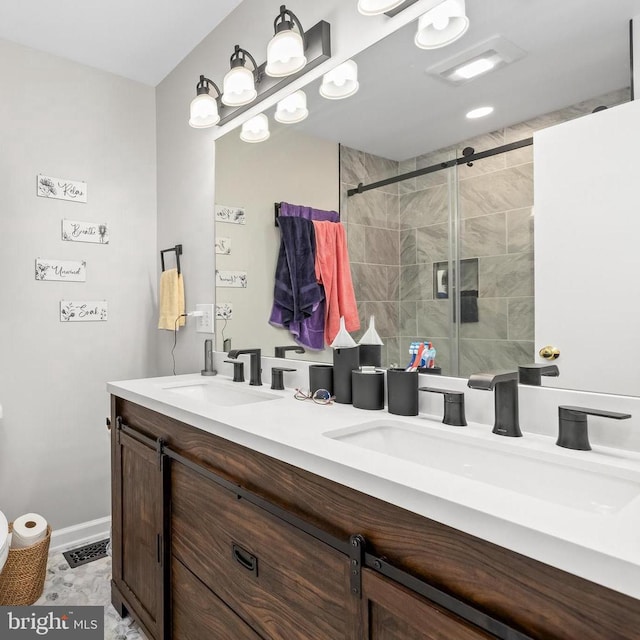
(205, 323)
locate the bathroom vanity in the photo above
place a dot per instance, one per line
(243, 513)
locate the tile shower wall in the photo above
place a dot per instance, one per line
(397, 233)
(372, 225)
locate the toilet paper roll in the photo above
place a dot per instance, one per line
(27, 530)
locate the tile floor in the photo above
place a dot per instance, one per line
(88, 584)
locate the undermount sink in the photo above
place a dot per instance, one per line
(581, 484)
(220, 394)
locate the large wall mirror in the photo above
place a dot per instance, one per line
(448, 256)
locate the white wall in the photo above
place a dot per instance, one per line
(186, 170)
(66, 120)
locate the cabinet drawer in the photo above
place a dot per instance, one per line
(283, 582)
(197, 613)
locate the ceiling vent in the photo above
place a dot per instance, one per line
(472, 63)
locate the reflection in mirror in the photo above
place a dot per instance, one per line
(404, 117)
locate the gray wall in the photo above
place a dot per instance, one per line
(70, 121)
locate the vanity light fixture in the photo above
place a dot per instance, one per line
(480, 112)
(292, 109)
(255, 129)
(285, 51)
(340, 82)
(376, 7)
(239, 84)
(204, 107)
(442, 25)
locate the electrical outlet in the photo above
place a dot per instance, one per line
(204, 323)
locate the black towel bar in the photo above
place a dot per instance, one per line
(178, 250)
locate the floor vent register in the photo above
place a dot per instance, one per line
(88, 553)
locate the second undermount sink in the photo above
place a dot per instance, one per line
(582, 484)
(220, 394)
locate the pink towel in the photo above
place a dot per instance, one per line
(334, 273)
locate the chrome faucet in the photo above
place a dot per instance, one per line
(255, 364)
(281, 352)
(505, 386)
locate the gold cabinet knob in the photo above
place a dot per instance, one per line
(549, 353)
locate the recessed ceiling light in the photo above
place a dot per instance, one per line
(480, 112)
(475, 68)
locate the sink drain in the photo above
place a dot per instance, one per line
(88, 553)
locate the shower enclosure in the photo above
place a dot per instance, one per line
(445, 253)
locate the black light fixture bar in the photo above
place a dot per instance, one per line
(465, 159)
(317, 51)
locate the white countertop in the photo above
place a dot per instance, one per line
(600, 544)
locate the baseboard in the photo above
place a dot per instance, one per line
(80, 534)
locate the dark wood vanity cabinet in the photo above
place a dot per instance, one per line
(214, 540)
(137, 526)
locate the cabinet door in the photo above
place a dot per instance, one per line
(137, 533)
(392, 612)
(198, 614)
(284, 583)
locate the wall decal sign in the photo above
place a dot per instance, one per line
(77, 231)
(83, 311)
(233, 279)
(224, 310)
(223, 246)
(61, 188)
(64, 270)
(235, 215)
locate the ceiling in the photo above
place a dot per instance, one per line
(575, 50)
(138, 39)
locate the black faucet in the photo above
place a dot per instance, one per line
(572, 426)
(532, 373)
(255, 365)
(505, 384)
(281, 352)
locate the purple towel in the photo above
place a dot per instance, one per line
(296, 289)
(297, 211)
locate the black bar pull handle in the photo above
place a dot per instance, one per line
(245, 559)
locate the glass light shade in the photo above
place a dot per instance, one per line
(376, 7)
(203, 112)
(238, 87)
(285, 54)
(256, 129)
(292, 109)
(340, 82)
(442, 25)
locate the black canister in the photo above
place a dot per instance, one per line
(320, 377)
(344, 362)
(371, 355)
(368, 389)
(402, 392)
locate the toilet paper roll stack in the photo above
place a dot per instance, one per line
(28, 530)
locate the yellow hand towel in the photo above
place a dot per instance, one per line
(171, 300)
